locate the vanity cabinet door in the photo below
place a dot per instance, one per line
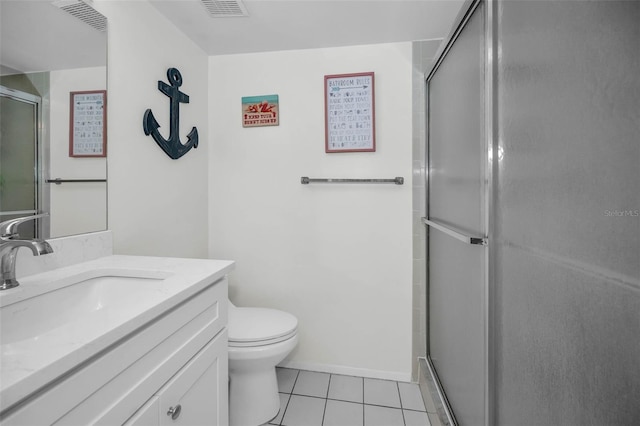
(148, 415)
(197, 394)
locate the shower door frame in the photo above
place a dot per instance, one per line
(41, 198)
(490, 168)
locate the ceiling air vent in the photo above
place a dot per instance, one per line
(84, 12)
(225, 8)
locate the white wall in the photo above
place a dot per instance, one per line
(157, 206)
(339, 257)
(75, 207)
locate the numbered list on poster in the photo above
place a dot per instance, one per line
(350, 117)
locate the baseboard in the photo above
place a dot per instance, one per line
(347, 371)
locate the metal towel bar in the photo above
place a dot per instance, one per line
(455, 234)
(59, 181)
(307, 180)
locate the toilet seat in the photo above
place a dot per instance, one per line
(250, 327)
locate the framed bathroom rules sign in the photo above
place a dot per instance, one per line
(88, 124)
(349, 112)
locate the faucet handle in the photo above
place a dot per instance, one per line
(9, 228)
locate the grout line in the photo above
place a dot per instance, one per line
(289, 400)
(360, 403)
(363, 410)
(343, 400)
(307, 396)
(285, 410)
(286, 406)
(324, 412)
(364, 398)
(294, 382)
(363, 414)
(401, 407)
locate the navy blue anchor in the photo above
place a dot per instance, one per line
(172, 146)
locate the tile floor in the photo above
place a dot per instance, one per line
(309, 398)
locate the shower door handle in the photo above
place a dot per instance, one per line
(482, 241)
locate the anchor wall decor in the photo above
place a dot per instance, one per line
(172, 146)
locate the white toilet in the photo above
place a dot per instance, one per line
(259, 338)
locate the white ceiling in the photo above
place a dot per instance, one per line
(306, 24)
(35, 36)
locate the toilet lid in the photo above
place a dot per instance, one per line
(260, 325)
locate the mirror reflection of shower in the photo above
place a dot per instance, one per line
(21, 157)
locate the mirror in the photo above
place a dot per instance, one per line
(49, 49)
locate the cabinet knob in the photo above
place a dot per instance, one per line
(174, 412)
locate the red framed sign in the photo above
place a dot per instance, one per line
(260, 111)
(349, 112)
(88, 124)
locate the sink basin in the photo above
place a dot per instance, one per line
(89, 299)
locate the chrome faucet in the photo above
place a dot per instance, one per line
(10, 242)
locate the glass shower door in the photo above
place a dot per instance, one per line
(457, 254)
(19, 157)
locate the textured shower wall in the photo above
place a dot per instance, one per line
(567, 282)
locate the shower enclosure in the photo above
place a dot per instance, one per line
(21, 192)
(534, 214)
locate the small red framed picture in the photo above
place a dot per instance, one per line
(349, 112)
(88, 124)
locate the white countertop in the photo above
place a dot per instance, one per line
(27, 365)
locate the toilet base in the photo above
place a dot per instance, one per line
(253, 397)
(253, 385)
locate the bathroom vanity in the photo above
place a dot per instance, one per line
(118, 340)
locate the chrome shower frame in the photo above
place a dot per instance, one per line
(491, 149)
